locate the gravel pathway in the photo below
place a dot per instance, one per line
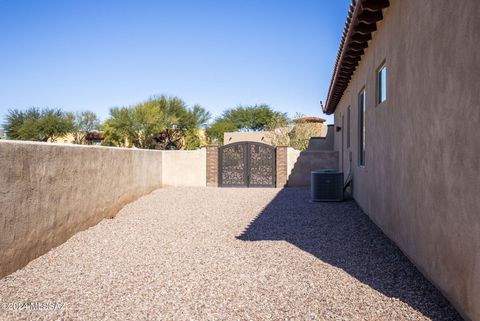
(226, 254)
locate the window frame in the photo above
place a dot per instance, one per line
(362, 110)
(378, 83)
(349, 121)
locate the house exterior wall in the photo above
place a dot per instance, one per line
(421, 180)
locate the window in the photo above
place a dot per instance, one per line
(361, 134)
(348, 127)
(382, 84)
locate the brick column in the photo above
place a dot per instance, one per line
(212, 165)
(281, 169)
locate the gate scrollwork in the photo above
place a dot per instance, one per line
(247, 164)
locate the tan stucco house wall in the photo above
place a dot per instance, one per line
(421, 179)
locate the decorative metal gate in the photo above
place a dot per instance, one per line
(246, 164)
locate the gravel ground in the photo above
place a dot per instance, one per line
(226, 254)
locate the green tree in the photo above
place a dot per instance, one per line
(196, 119)
(218, 128)
(154, 123)
(83, 123)
(119, 129)
(245, 118)
(15, 119)
(38, 125)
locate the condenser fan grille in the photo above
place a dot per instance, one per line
(326, 185)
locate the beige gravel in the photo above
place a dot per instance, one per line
(226, 254)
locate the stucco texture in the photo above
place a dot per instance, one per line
(184, 168)
(259, 137)
(301, 163)
(421, 180)
(51, 191)
(318, 155)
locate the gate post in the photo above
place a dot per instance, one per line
(212, 166)
(281, 167)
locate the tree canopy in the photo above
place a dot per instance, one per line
(38, 125)
(83, 123)
(154, 123)
(246, 118)
(161, 122)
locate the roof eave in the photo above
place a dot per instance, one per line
(362, 19)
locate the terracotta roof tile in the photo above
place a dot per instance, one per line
(361, 22)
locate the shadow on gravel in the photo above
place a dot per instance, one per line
(340, 234)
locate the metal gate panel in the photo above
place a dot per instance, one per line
(261, 165)
(233, 160)
(247, 164)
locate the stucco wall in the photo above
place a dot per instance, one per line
(48, 192)
(292, 156)
(301, 164)
(324, 142)
(259, 137)
(421, 182)
(184, 168)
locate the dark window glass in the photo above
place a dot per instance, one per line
(361, 134)
(348, 127)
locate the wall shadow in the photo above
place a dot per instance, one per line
(320, 154)
(340, 234)
(308, 161)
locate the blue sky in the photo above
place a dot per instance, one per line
(93, 55)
